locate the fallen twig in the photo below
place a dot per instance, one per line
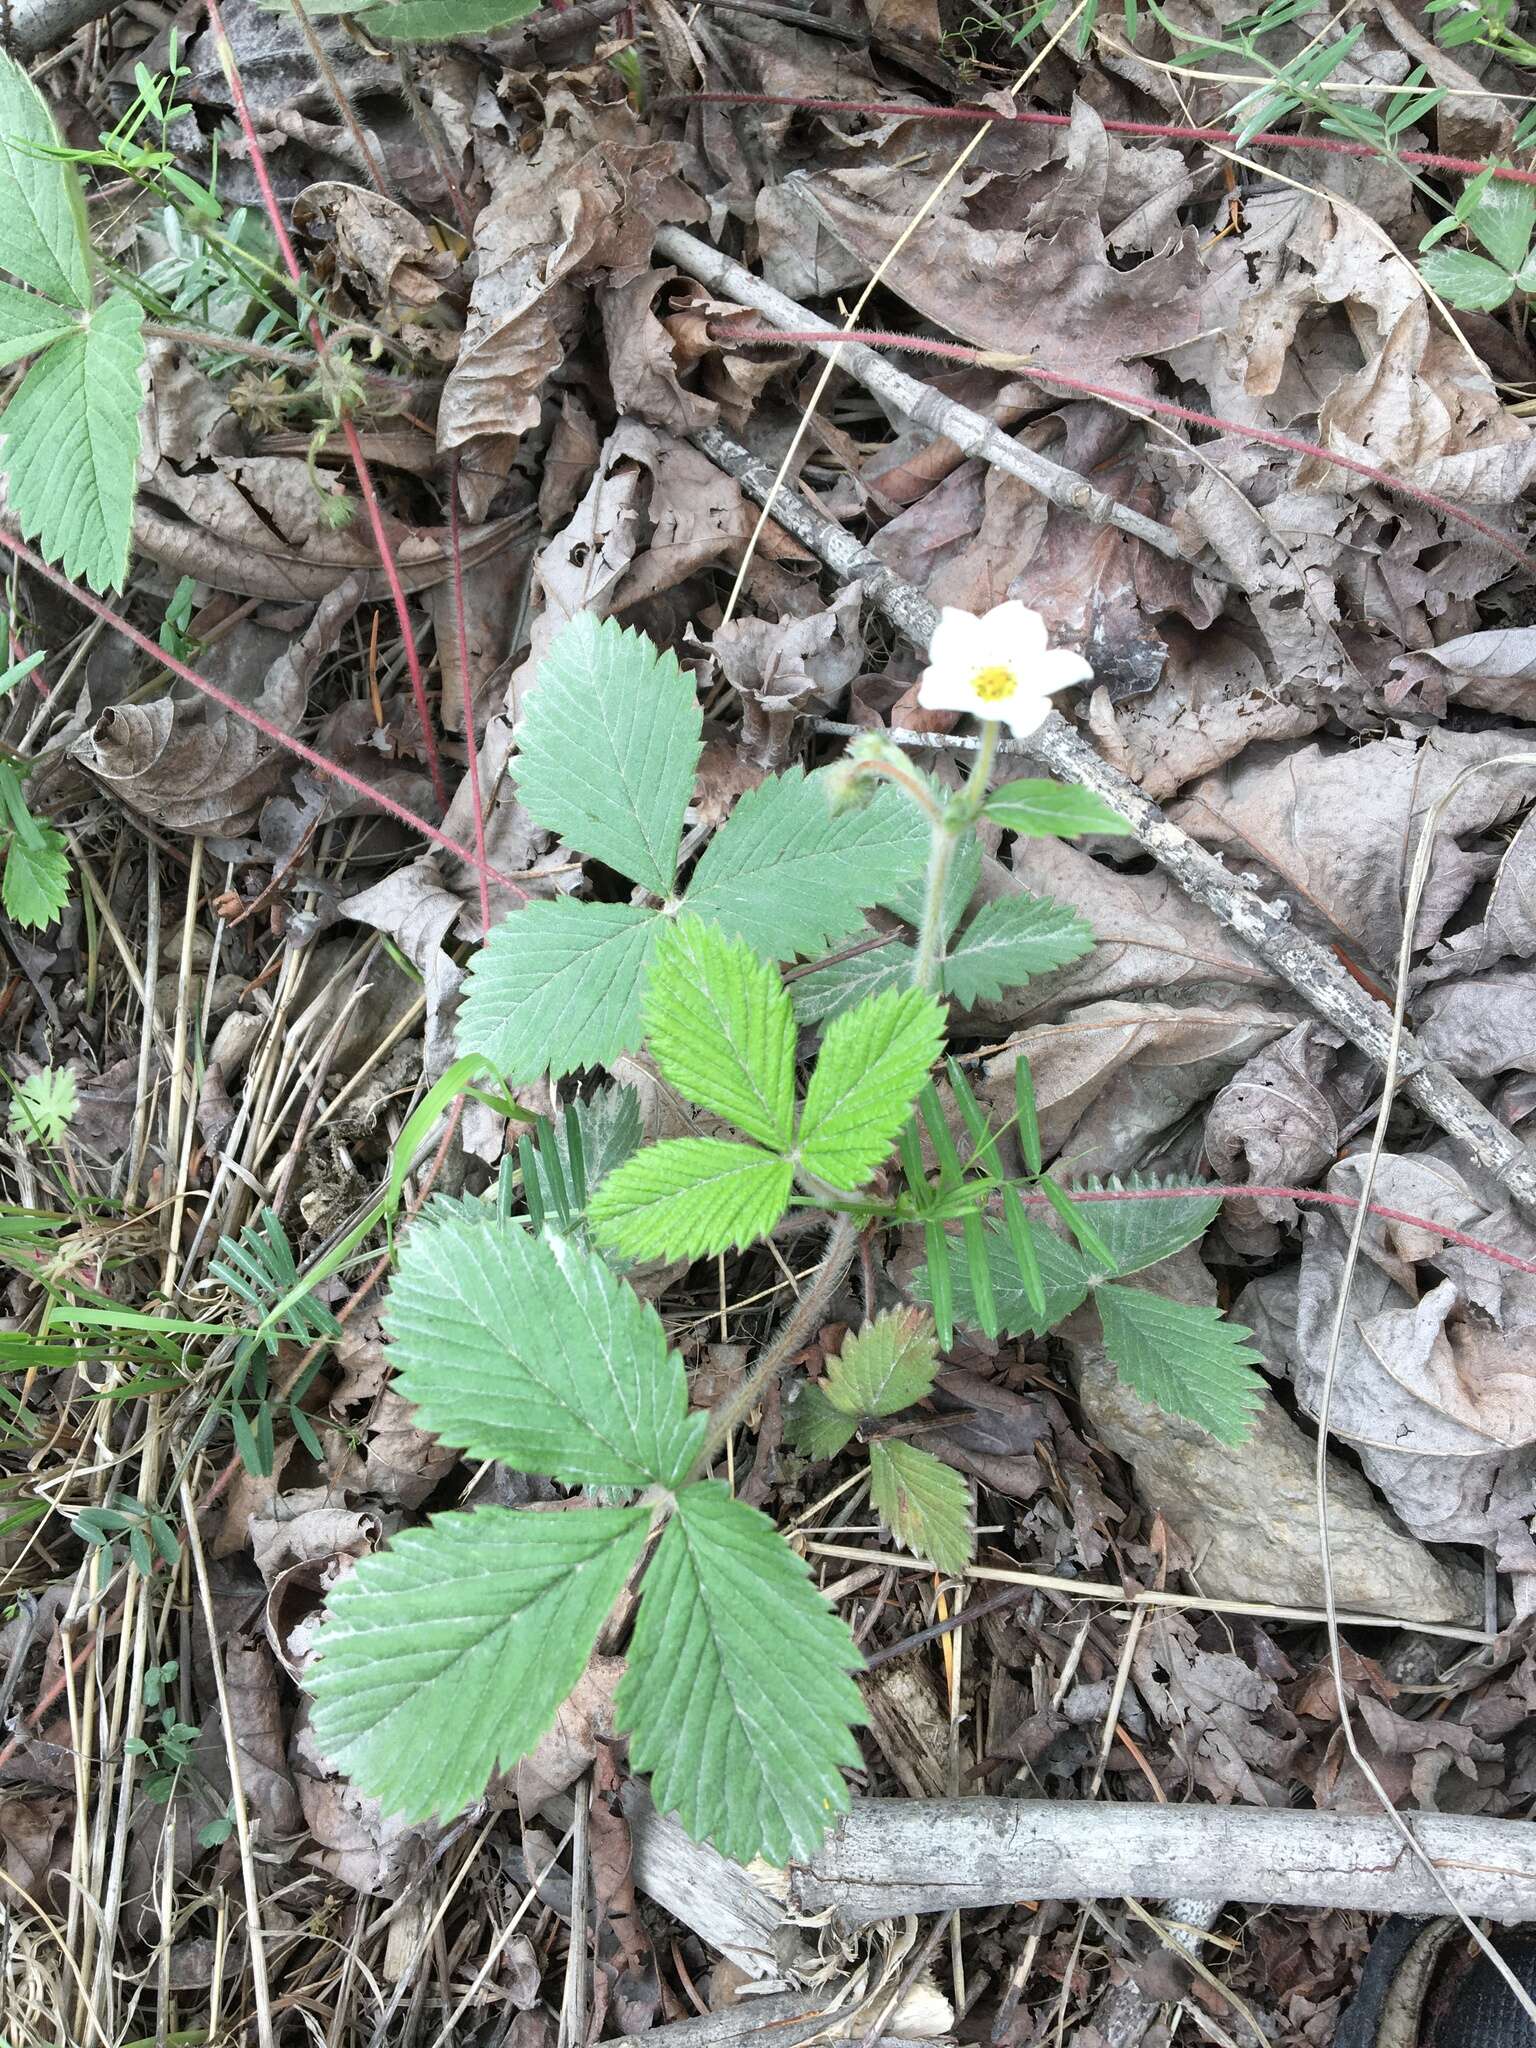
(894, 1856)
(1263, 925)
(970, 431)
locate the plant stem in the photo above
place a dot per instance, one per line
(797, 1326)
(960, 814)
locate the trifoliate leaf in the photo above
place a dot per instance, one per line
(443, 1658)
(829, 991)
(35, 885)
(886, 1367)
(691, 1197)
(1189, 1361)
(924, 1503)
(737, 1699)
(28, 323)
(1064, 1277)
(1037, 808)
(1466, 281)
(435, 21)
(720, 1027)
(789, 877)
(526, 1349)
(43, 1106)
(1008, 942)
(608, 745)
(1141, 1233)
(814, 1426)
(873, 1061)
(69, 444)
(557, 986)
(44, 239)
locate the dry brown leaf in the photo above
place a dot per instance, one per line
(783, 668)
(375, 248)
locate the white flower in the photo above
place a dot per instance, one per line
(997, 667)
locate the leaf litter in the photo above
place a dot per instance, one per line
(258, 974)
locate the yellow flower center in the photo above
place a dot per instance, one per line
(992, 685)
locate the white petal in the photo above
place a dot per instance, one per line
(1026, 714)
(1015, 633)
(1059, 670)
(948, 689)
(959, 641)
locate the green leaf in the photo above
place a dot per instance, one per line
(1008, 942)
(1138, 1234)
(608, 745)
(737, 1699)
(829, 991)
(609, 1132)
(1075, 1216)
(1469, 282)
(720, 1026)
(1502, 221)
(924, 1503)
(28, 323)
(71, 444)
(815, 1427)
(789, 877)
(906, 896)
(431, 21)
(443, 1658)
(1188, 1361)
(526, 1349)
(691, 1197)
(43, 1105)
(886, 1367)
(1038, 808)
(1064, 1278)
(35, 886)
(873, 1062)
(558, 986)
(44, 239)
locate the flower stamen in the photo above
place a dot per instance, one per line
(994, 685)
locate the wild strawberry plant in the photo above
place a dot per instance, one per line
(517, 1337)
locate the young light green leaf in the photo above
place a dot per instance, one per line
(821, 996)
(789, 877)
(435, 21)
(44, 1105)
(28, 323)
(44, 240)
(1064, 1275)
(71, 444)
(1469, 282)
(815, 1427)
(1008, 942)
(720, 1026)
(1502, 220)
(1189, 1361)
(526, 1349)
(608, 745)
(1026, 1112)
(1038, 808)
(873, 1062)
(924, 1503)
(558, 986)
(688, 1198)
(443, 1658)
(886, 1367)
(1139, 1234)
(737, 1699)
(35, 886)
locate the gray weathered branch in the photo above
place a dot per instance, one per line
(972, 433)
(1263, 925)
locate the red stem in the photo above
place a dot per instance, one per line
(462, 642)
(1464, 166)
(1039, 373)
(236, 709)
(354, 446)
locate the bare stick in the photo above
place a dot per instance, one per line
(970, 431)
(1263, 925)
(894, 1856)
